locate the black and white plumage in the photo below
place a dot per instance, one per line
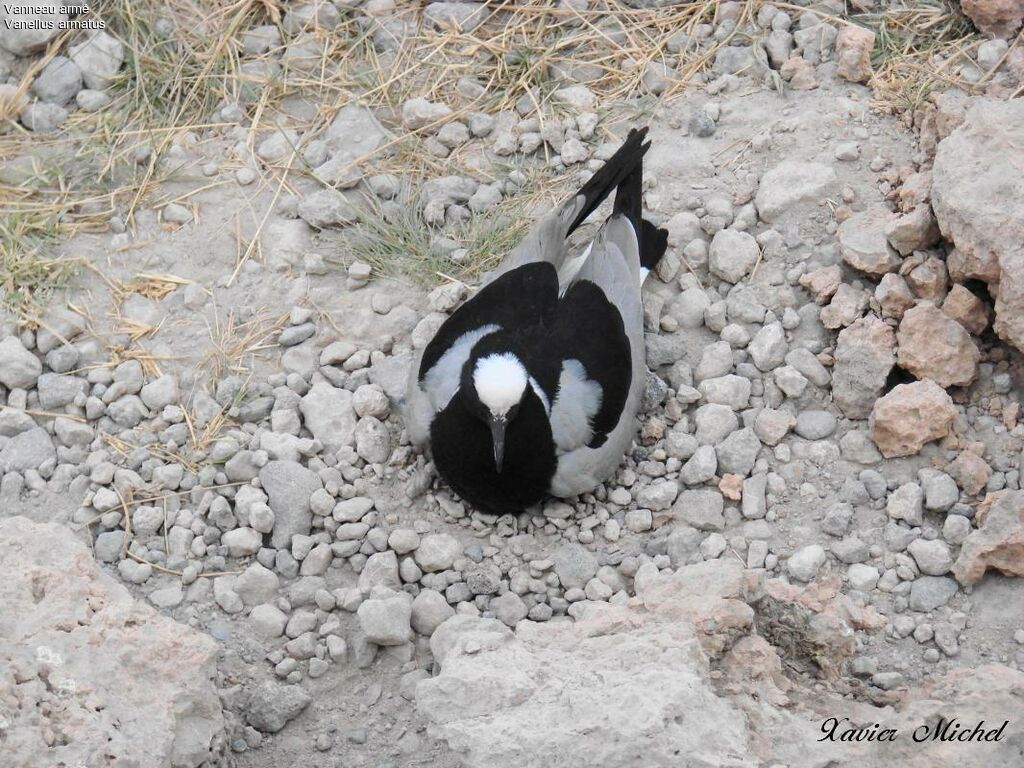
(532, 386)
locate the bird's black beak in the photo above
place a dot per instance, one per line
(498, 435)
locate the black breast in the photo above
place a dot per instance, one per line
(464, 456)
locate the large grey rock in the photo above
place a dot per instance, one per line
(864, 244)
(289, 486)
(256, 585)
(380, 570)
(701, 509)
(27, 450)
(386, 621)
(429, 611)
(99, 57)
(635, 684)
(714, 423)
(932, 557)
(269, 706)
(632, 685)
(121, 680)
(865, 354)
(437, 552)
(328, 415)
(738, 452)
(907, 503)
(19, 368)
(328, 208)
(732, 254)
(575, 565)
(805, 563)
(355, 129)
(768, 348)
(460, 17)
(930, 592)
(59, 81)
(792, 189)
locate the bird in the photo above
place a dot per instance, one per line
(531, 388)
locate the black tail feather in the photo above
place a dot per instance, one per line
(626, 159)
(653, 243)
(629, 198)
(629, 202)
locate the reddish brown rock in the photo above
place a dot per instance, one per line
(846, 307)
(893, 296)
(978, 199)
(822, 283)
(998, 542)
(731, 486)
(1001, 18)
(932, 345)
(865, 354)
(914, 231)
(970, 470)
(853, 53)
(982, 266)
(928, 279)
(967, 309)
(863, 243)
(1009, 322)
(916, 189)
(910, 416)
(799, 73)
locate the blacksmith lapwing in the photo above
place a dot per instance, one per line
(532, 386)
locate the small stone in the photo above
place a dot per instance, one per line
(437, 552)
(930, 592)
(805, 562)
(19, 368)
(508, 608)
(429, 611)
(941, 492)
(99, 57)
(815, 425)
(907, 503)
(732, 254)
(863, 242)
(701, 509)
(420, 113)
(59, 81)
(933, 557)
(386, 621)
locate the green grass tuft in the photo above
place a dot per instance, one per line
(405, 246)
(29, 275)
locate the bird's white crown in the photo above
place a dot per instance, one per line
(500, 380)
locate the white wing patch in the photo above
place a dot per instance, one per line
(442, 381)
(576, 404)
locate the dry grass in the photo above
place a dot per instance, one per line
(185, 61)
(235, 343)
(404, 246)
(29, 274)
(917, 50)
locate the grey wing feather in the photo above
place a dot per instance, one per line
(545, 242)
(614, 265)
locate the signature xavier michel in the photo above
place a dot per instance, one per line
(843, 729)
